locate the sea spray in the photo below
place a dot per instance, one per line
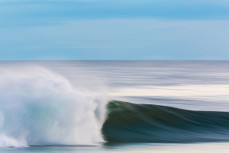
(41, 107)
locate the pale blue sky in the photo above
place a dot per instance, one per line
(114, 29)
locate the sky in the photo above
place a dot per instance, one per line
(114, 30)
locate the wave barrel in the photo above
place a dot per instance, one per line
(127, 122)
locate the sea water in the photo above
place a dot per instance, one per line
(60, 106)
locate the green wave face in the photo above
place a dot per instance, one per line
(127, 122)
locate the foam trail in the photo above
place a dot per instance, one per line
(39, 107)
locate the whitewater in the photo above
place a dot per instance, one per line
(41, 107)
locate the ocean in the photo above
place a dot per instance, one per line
(114, 106)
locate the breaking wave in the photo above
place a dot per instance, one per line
(40, 107)
(127, 122)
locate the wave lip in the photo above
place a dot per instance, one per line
(127, 122)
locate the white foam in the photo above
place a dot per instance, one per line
(212, 91)
(6, 141)
(39, 107)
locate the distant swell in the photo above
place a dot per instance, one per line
(127, 122)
